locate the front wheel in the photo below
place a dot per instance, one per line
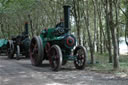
(17, 52)
(81, 60)
(10, 51)
(55, 57)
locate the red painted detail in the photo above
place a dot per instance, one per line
(68, 43)
(26, 22)
(47, 47)
(31, 57)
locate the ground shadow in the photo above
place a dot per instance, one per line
(45, 67)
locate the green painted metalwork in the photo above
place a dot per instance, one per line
(47, 35)
(69, 57)
(3, 42)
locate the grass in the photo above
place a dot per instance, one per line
(102, 64)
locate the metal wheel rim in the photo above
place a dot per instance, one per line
(18, 52)
(81, 59)
(33, 50)
(55, 58)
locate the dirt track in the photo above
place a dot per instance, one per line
(21, 72)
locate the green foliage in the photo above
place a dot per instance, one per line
(47, 13)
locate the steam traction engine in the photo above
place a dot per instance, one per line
(19, 44)
(56, 45)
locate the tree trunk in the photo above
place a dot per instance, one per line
(108, 33)
(30, 20)
(117, 15)
(95, 30)
(114, 38)
(77, 20)
(126, 27)
(89, 36)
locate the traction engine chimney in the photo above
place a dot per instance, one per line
(26, 27)
(67, 18)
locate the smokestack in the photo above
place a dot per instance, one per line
(26, 27)
(66, 18)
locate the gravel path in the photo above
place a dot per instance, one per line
(21, 72)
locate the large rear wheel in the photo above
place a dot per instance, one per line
(55, 58)
(81, 60)
(36, 51)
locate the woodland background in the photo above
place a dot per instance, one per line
(98, 24)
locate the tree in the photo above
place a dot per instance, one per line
(114, 37)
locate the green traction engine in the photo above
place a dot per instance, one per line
(57, 45)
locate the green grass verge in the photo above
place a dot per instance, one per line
(102, 64)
